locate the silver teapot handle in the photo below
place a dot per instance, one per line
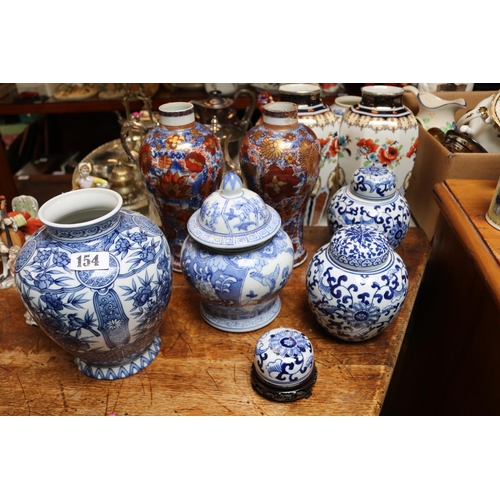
(245, 121)
(127, 127)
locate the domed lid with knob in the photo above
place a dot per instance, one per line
(233, 218)
(359, 247)
(374, 183)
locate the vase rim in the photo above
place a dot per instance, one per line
(299, 88)
(281, 113)
(80, 200)
(382, 90)
(280, 106)
(176, 114)
(174, 108)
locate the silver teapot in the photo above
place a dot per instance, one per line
(217, 113)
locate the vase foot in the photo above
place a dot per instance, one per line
(121, 370)
(300, 259)
(242, 325)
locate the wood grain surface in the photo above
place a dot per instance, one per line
(465, 203)
(201, 370)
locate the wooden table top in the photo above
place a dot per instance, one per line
(464, 203)
(204, 371)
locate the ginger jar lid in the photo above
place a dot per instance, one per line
(374, 183)
(359, 247)
(233, 217)
(283, 368)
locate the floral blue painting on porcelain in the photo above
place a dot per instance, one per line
(97, 279)
(237, 258)
(283, 369)
(371, 199)
(356, 283)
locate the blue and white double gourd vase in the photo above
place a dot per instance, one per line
(97, 279)
(356, 283)
(237, 258)
(371, 199)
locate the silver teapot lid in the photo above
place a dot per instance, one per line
(233, 217)
(215, 101)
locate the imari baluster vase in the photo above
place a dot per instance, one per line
(97, 279)
(181, 164)
(280, 159)
(315, 114)
(379, 131)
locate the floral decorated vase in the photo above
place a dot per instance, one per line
(237, 258)
(283, 369)
(325, 123)
(280, 159)
(371, 199)
(181, 164)
(380, 131)
(356, 284)
(97, 279)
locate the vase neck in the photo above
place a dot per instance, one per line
(282, 114)
(82, 214)
(175, 115)
(303, 95)
(382, 96)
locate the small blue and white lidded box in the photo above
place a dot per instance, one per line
(283, 369)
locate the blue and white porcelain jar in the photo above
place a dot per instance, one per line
(356, 283)
(97, 279)
(371, 199)
(237, 258)
(283, 368)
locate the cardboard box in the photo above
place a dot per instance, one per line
(434, 163)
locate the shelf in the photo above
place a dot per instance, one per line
(97, 105)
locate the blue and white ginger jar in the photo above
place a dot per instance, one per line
(283, 368)
(356, 284)
(237, 258)
(371, 199)
(97, 279)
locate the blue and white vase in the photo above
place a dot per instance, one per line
(283, 369)
(371, 199)
(356, 284)
(97, 279)
(237, 258)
